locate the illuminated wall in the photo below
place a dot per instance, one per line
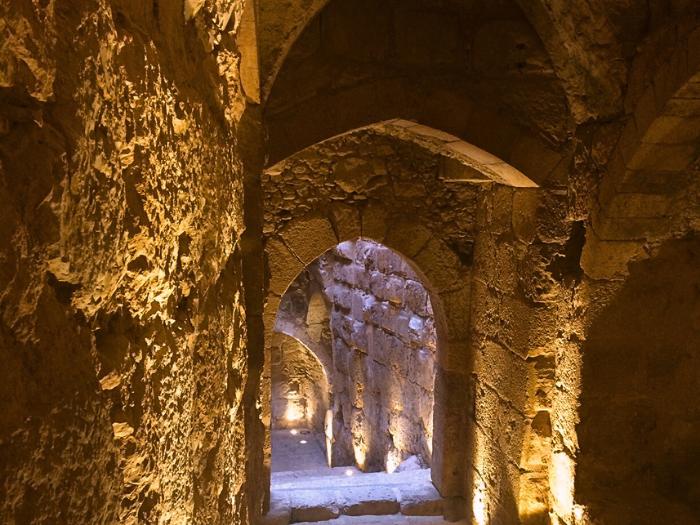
(384, 347)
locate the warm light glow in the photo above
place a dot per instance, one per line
(360, 455)
(562, 482)
(580, 515)
(294, 432)
(393, 460)
(303, 442)
(479, 505)
(329, 436)
(294, 412)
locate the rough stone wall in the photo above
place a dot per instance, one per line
(303, 316)
(384, 346)
(126, 378)
(522, 273)
(378, 174)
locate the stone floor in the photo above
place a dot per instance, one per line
(297, 450)
(305, 490)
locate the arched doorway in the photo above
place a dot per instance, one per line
(360, 319)
(353, 362)
(391, 183)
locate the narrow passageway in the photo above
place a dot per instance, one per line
(352, 379)
(372, 262)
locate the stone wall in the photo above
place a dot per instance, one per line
(640, 426)
(384, 347)
(128, 393)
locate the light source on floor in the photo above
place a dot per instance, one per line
(328, 423)
(294, 432)
(349, 472)
(562, 483)
(303, 442)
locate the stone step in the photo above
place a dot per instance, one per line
(414, 497)
(396, 519)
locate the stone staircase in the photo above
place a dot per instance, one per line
(396, 519)
(346, 496)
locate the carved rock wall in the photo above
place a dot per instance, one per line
(126, 382)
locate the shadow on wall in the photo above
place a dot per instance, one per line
(640, 418)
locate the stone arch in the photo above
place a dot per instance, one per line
(650, 187)
(328, 193)
(642, 229)
(249, 52)
(281, 26)
(579, 40)
(307, 115)
(310, 384)
(446, 281)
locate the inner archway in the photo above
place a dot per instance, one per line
(353, 366)
(363, 310)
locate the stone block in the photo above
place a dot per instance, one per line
(637, 205)
(314, 505)
(407, 237)
(455, 306)
(374, 221)
(421, 500)
(352, 174)
(659, 182)
(421, 368)
(361, 277)
(343, 297)
(280, 512)
(504, 371)
(284, 266)
(670, 157)
(347, 250)
(440, 265)
(393, 289)
(346, 219)
(673, 130)
(358, 336)
(309, 237)
(630, 228)
(524, 220)
(416, 297)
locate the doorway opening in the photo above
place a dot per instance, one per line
(353, 364)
